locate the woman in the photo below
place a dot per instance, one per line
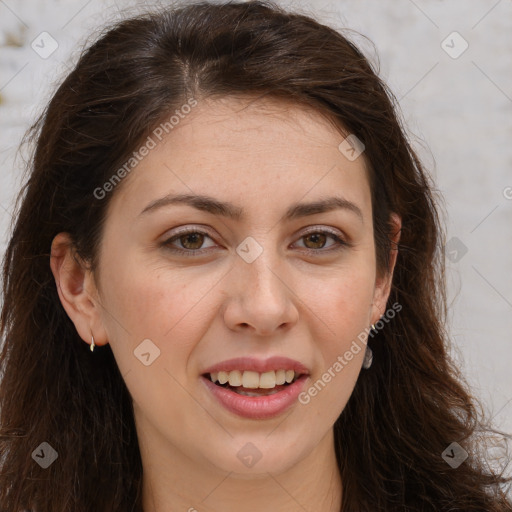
(223, 207)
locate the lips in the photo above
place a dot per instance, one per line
(254, 402)
(258, 365)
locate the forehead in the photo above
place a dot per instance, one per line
(245, 148)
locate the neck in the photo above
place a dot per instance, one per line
(174, 482)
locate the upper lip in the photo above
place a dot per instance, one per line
(258, 365)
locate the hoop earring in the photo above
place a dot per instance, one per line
(92, 344)
(368, 356)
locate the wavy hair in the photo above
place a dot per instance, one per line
(403, 412)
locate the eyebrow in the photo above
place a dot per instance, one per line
(229, 210)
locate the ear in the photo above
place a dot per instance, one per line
(383, 283)
(77, 290)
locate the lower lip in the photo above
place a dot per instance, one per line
(257, 407)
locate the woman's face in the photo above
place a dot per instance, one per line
(261, 277)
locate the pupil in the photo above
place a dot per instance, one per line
(194, 236)
(317, 236)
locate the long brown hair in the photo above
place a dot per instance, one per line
(404, 411)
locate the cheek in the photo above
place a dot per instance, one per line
(339, 308)
(341, 301)
(170, 307)
(341, 312)
(152, 300)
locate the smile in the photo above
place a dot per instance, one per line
(255, 380)
(255, 388)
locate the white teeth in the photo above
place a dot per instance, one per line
(267, 380)
(250, 380)
(280, 377)
(253, 380)
(223, 377)
(235, 378)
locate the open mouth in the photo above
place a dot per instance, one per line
(249, 383)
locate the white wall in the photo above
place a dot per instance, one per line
(458, 109)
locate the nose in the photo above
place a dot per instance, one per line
(260, 297)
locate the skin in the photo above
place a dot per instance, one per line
(262, 156)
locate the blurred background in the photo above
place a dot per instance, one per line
(449, 66)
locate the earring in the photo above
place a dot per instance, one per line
(92, 344)
(368, 356)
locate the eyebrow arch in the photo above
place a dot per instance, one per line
(229, 210)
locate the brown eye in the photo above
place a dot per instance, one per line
(189, 243)
(317, 240)
(192, 240)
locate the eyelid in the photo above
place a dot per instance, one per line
(190, 228)
(321, 229)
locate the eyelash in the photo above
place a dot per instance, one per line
(193, 253)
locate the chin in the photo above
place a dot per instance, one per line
(255, 456)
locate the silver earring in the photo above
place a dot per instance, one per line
(368, 356)
(92, 344)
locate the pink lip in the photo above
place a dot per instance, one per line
(258, 407)
(258, 365)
